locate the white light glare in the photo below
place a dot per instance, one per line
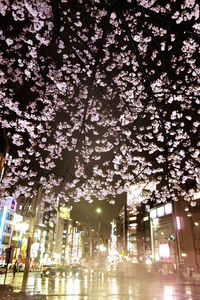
(102, 248)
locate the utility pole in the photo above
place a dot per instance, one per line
(125, 229)
(99, 227)
(90, 241)
(90, 237)
(58, 233)
(35, 203)
(99, 211)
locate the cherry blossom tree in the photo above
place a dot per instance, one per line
(97, 95)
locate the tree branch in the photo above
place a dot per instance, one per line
(146, 81)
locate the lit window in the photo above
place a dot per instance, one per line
(153, 213)
(168, 208)
(160, 211)
(132, 218)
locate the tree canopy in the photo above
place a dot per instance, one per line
(98, 95)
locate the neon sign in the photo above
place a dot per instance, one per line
(3, 222)
(10, 202)
(178, 223)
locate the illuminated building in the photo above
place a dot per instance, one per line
(188, 238)
(132, 234)
(7, 212)
(113, 254)
(61, 250)
(51, 235)
(133, 224)
(175, 236)
(195, 228)
(75, 244)
(168, 233)
(19, 238)
(121, 224)
(162, 234)
(42, 250)
(138, 225)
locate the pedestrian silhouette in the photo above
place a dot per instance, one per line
(14, 269)
(191, 275)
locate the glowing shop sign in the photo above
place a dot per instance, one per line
(133, 225)
(3, 222)
(164, 250)
(178, 223)
(65, 212)
(161, 211)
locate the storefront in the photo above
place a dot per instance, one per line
(163, 240)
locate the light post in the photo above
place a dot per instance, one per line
(99, 211)
(177, 258)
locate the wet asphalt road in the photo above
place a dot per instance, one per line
(112, 286)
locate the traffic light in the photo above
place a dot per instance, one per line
(171, 238)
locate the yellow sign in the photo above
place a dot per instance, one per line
(65, 212)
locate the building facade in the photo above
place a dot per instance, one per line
(7, 212)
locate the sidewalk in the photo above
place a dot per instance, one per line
(6, 293)
(183, 278)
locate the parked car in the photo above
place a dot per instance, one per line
(76, 271)
(62, 272)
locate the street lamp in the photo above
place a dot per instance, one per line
(100, 249)
(98, 210)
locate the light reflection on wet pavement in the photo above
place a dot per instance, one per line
(106, 287)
